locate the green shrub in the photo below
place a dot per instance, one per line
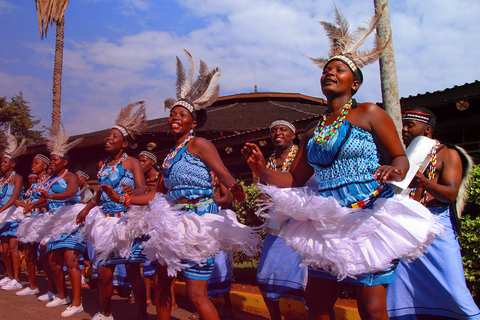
(474, 188)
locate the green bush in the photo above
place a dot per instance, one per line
(474, 188)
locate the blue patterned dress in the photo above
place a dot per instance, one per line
(9, 228)
(75, 240)
(115, 179)
(344, 167)
(189, 177)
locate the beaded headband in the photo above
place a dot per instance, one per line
(32, 175)
(122, 130)
(185, 104)
(283, 123)
(131, 123)
(83, 174)
(419, 116)
(148, 155)
(43, 158)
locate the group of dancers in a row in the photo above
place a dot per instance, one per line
(345, 226)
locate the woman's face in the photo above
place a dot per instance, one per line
(115, 140)
(6, 164)
(181, 121)
(57, 163)
(38, 166)
(338, 78)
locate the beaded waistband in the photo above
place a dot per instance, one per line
(363, 203)
(194, 205)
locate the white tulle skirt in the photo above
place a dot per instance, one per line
(30, 228)
(63, 221)
(11, 214)
(176, 235)
(348, 242)
(113, 234)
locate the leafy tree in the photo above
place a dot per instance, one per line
(16, 114)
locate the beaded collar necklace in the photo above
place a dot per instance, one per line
(167, 163)
(106, 173)
(272, 160)
(430, 170)
(47, 187)
(319, 134)
(4, 181)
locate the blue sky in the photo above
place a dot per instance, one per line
(120, 51)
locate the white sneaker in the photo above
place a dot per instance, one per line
(58, 302)
(71, 310)
(27, 291)
(12, 285)
(4, 281)
(49, 296)
(100, 316)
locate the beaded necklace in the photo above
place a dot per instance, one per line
(430, 171)
(47, 187)
(320, 136)
(167, 163)
(272, 160)
(119, 161)
(4, 181)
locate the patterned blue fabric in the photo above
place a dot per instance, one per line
(76, 240)
(34, 197)
(344, 165)
(9, 229)
(204, 271)
(220, 280)
(433, 285)
(115, 179)
(59, 187)
(189, 177)
(344, 168)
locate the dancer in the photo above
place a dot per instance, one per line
(347, 230)
(27, 230)
(63, 239)
(434, 285)
(192, 218)
(86, 192)
(116, 173)
(279, 274)
(11, 185)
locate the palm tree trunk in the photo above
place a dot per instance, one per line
(388, 72)
(57, 73)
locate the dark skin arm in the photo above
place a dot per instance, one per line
(444, 188)
(18, 183)
(70, 191)
(222, 195)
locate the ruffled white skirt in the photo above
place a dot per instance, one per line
(11, 214)
(113, 234)
(348, 242)
(176, 235)
(30, 228)
(63, 221)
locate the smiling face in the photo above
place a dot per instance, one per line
(282, 137)
(115, 141)
(337, 78)
(38, 166)
(181, 121)
(6, 164)
(57, 163)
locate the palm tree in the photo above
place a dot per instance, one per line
(53, 12)
(388, 72)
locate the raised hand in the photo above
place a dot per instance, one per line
(254, 158)
(237, 193)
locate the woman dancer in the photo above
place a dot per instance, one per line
(117, 173)
(11, 185)
(187, 180)
(27, 230)
(344, 151)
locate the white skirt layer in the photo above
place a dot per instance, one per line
(348, 242)
(64, 220)
(113, 234)
(11, 214)
(30, 228)
(176, 235)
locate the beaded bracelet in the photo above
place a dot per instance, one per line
(126, 200)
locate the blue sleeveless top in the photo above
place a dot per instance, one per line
(59, 187)
(344, 165)
(34, 197)
(115, 179)
(6, 193)
(188, 177)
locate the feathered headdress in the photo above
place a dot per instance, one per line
(198, 94)
(57, 142)
(344, 46)
(13, 149)
(131, 124)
